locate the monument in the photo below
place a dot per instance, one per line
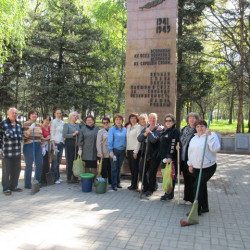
(151, 57)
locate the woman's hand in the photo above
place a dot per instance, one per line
(178, 147)
(208, 132)
(135, 155)
(191, 169)
(75, 133)
(111, 154)
(169, 160)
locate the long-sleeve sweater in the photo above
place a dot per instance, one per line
(132, 133)
(28, 133)
(195, 150)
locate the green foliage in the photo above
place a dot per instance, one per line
(12, 31)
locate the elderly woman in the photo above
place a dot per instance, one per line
(46, 137)
(187, 133)
(70, 132)
(102, 148)
(150, 135)
(116, 145)
(33, 148)
(133, 147)
(87, 144)
(169, 138)
(195, 152)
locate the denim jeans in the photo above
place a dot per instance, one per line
(116, 167)
(56, 163)
(28, 158)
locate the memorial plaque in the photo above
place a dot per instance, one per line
(151, 57)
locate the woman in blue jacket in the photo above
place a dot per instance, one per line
(117, 146)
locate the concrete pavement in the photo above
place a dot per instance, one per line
(63, 217)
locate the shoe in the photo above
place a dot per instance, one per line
(148, 194)
(57, 182)
(131, 188)
(115, 189)
(7, 192)
(164, 197)
(60, 180)
(204, 210)
(119, 186)
(17, 190)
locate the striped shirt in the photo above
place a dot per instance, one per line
(10, 138)
(28, 133)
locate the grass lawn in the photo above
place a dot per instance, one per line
(220, 126)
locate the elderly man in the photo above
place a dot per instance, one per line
(10, 147)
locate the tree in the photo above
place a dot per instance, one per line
(190, 73)
(230, 27)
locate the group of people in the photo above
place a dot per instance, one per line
(146, 144)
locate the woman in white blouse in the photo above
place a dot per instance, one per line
(195, 152)
(133, 147)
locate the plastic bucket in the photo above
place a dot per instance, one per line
(100, 186)
(87, 179)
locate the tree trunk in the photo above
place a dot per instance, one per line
(248, 118)
(241, 83)
(179, 101)
(231, 107)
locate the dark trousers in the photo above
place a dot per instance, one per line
(151, 167)
(106, 169)
(70, 153)
(189, 180)
(207, 173)
(134, 168)
(10, 172)
(46, 166)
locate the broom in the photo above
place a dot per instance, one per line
(99, 170)
(193, 217)
(35, 187)
(178, 176)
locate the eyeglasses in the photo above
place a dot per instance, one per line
(105, 123)
(168, 120)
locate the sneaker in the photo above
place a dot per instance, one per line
(166, 197)
(60, 180)
(57, 182)
(7, 192)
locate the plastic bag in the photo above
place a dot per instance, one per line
(167, 184)
(78, 167)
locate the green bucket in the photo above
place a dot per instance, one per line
(100, 186)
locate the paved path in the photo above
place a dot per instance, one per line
(63, 217)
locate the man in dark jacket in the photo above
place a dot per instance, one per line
(150, 153)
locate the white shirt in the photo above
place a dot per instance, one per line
(56, 131)
(195, 150)
(132, 134)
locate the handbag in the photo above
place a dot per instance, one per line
(78, 164)
(78, 167)
(167, 184)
